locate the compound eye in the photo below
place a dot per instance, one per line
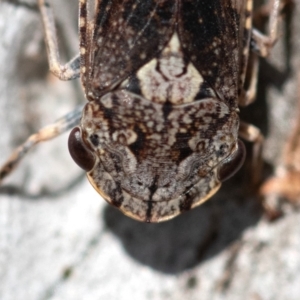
(233, 163)
(83, 157)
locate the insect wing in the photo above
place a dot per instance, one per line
(210, 35)
(128, 34)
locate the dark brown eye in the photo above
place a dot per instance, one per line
(83, 157)
(233, 163)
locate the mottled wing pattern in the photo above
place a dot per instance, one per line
(210, 35)
(128, 33)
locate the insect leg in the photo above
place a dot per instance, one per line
(69, 71)
(262, 44)
(249, 92)
(252, 134)
(46, 133)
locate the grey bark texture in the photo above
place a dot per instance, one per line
(60, 241)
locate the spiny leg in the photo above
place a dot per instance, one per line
(249, 94)
(261, 44)
(252, 134)
(49, 132)
(69, 71)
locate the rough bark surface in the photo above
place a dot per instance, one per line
(60, 241)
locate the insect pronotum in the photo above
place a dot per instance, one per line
(164, 80)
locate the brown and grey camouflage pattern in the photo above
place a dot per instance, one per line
(163, 79)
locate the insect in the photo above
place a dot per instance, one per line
(164, 80)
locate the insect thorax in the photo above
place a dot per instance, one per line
(159, 138)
